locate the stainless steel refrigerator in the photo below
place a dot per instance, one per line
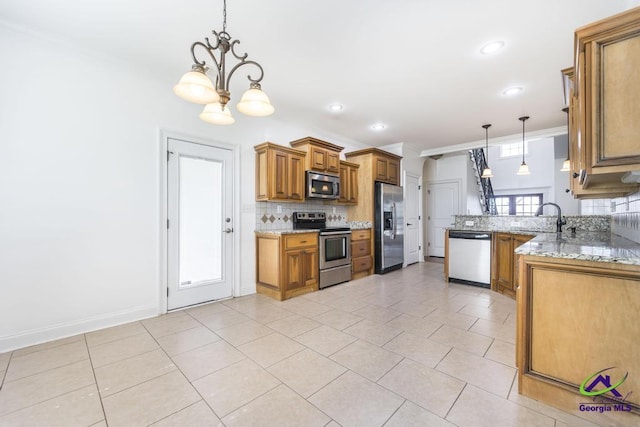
(388, 228)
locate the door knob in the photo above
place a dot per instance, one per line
(228, 230)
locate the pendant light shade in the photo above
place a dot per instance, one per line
(196, 87)
(566, 165)
(524, 168)
(217, 115)
(486, 172)
(254, 102)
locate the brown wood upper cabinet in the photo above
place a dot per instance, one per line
(322, 156)
(385, 166)
(279, 173)
(603, 108)
(348, 183)
(504, 272)
(387, 169)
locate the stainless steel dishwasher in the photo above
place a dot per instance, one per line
(470, 257)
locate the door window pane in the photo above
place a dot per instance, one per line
(200, 210)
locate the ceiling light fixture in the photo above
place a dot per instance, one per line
(336, 108)
(512, 91)
(566, 165)
(492, 47)
(196, 87)
(523, 169)
(378, 127)
(486, 172)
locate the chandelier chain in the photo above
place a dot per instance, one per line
(224, 16)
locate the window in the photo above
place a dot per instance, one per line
(518, 204)
(513, 150)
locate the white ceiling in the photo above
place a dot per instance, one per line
(411, 64)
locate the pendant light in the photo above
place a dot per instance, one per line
(486, 172)
(524, 168)
(195, 86)
(566, 165)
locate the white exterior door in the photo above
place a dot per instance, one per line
(443, 201)
(412, 219)
(200, 226)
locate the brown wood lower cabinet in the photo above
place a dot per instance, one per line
(287, 264)
(503, 271)
(361, 259)
(575, 319)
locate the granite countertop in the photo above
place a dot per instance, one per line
(285, 231)
(501, 230)
(586, 246)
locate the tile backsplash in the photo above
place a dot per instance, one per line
(268, 217)
(625, 221)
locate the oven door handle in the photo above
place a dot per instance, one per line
(334, 233)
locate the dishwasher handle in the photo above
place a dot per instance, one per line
(470, 235)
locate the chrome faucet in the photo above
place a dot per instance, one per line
(561, 220)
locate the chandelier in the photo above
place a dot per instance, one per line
(195, 86)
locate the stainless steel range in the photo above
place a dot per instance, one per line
(334, 250)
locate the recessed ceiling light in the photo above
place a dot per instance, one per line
(492, 47)
(335, 108)
(512, 91)
(378, 126)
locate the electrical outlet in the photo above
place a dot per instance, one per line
(279, 209)
(469, 223)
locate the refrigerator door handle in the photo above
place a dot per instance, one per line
(393, 220)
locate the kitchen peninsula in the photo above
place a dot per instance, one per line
(578, 311)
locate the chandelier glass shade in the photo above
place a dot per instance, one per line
(524, 168)
(196, 86)
(486, 172)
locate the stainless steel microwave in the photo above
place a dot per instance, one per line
(322, 186)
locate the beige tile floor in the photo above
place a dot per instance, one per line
(396, 350)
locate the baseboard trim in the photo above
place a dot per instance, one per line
(68, 329)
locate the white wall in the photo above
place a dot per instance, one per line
(80, 186)
(540, 159)
(456, 166)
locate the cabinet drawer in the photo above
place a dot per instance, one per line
(361, 234)
(361, 264)
(360, 248)
(294, 241)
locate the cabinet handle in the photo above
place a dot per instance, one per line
(303, 241)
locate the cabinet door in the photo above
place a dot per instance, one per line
(352, 191)
(279, 175)
(296, 177)
(504, 260)
(293, 266)
(309, 273)
(393, 171)
(616, 77)
(333, 162)
(318, 159)
(344, 184)
(381, 173)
